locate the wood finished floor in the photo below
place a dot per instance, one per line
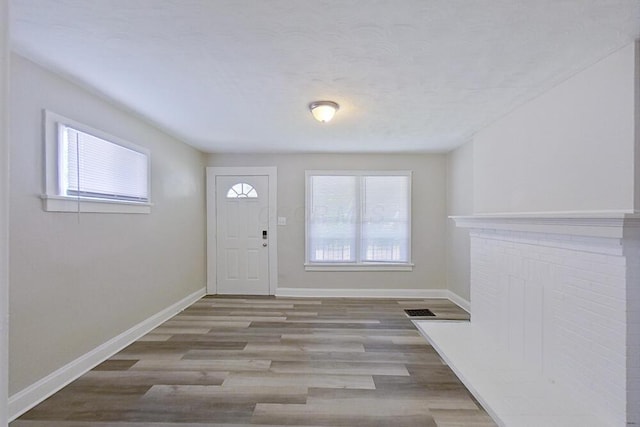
(248, 361)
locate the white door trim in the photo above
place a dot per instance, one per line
(212, 173)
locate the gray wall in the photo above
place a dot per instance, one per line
(571, 149)
(4, 212)
(428, 217)
(459, 202)
(78, 280)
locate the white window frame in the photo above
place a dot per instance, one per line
(53, 199)
(355, 266)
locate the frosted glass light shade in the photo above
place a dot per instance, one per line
(323, 111)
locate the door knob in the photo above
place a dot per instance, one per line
(264, 245)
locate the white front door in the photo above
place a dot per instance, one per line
(242, 234)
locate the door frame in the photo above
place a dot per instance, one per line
(212, 173)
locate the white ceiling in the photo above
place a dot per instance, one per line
(238, 75)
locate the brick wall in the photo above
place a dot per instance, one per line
(559, 303)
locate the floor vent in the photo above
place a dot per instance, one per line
(421, 312)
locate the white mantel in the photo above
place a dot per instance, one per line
(559, 294)
(593, 224)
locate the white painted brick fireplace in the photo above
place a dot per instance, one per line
(560, 296)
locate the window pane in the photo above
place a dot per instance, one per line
(385, 221)
(94, 167)
(241, 191)
(332, 219)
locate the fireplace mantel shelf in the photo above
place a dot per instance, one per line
(588, 224)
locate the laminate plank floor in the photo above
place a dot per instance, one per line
(265, 362)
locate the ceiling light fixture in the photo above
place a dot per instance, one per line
(323, 111)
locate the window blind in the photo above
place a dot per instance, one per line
(97, 168)
(385, 219)
(359, 218)
(333, 219)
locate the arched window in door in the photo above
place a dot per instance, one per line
(242, 190)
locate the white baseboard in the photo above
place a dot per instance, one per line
(361, 293)
(459, 301)
(26, 399)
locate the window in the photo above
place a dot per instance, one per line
(242, 190)
(90, 171)
(358, 220)
(96, 168)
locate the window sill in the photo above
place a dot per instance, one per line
(359, 267)
(72, 204)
